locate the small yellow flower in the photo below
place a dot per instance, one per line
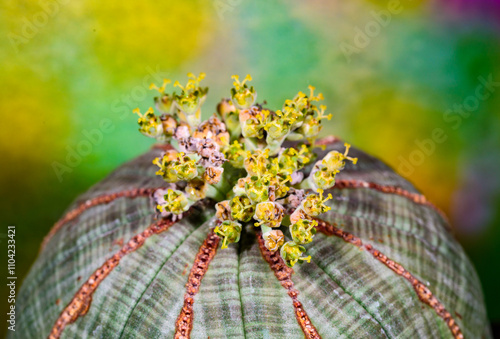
(160, 89)
(168, 174)
(324, 171)
(175, 202)
(191, 96)
(253, 122)
(185, 167)
(335, 161)
(149, 124)
(292, 253)
(269, 213)
(312, 125)
(244, 137)
(235, 154)
(279, 184)
(241, 95)
(291, 159)
(257, 162)
(242, 208)
(314, 204)
(303, 231)
(257, 188)
(323, 178)
(165, 102)
(230, 231)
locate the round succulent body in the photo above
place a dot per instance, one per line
(383, 264)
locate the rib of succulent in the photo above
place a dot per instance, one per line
(237, 158)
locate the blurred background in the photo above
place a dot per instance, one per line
(415, 83)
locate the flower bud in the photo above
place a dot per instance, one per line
(225, 107)
(269, 213)
(310, 128)
(274, 239)
(229, 114)
(182, 131)
(165, 103)
(206, 147)
(295, 197)
(196, 189)
(175, 202)
(239, 188)
(292, 253)
(242, 208)
(303, 231)
(188, 145)
(223, 210)
(230, 231)
(212, 175)
(213, 129)
(297, 215)
(169, 125)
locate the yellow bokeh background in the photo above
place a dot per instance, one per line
(70, 67)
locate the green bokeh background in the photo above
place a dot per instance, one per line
(70, 67)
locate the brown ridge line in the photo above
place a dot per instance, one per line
(284, 274)
(206, 253)
(82, 299)
(415, 197)
(99, 200)
(424, 294)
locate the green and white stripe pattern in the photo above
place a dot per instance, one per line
(344, 290)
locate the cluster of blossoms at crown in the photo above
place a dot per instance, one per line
(237, 158)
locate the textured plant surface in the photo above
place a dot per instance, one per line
(137, 255)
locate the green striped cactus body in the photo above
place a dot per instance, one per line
(380, 245)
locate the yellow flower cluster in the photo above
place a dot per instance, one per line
(251, 160)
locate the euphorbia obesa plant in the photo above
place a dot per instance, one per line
(137, 256)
